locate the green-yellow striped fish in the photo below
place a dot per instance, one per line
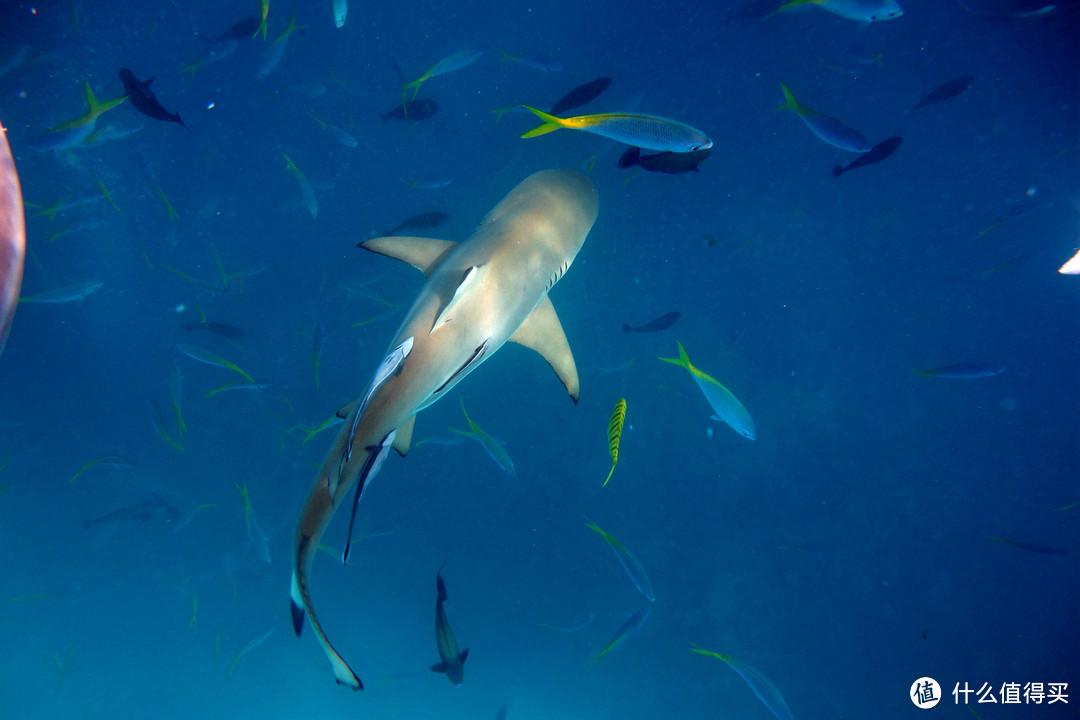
(648, 132)
(614, 434)
(762, 686)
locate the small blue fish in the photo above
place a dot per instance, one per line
(964, 371)
(829, 129)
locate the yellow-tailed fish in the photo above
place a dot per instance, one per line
(271, 56)
(1030, 547)
(72, 133)
(259, 541)
(159, 424)
(630, 563)
(233, 386)
(494, 449)
(170, 211)
(264, 10)
(251, 645)
(205, 356)
(341, 10)
(827, 128)
(866, 11)
(448, 64)
(614, 434)
(632, 623)
(727, 407)
(648, 132)
(306, 189)
(763, 687)
(66, 294)
(312, 432)
(176, 396)
(115, 460)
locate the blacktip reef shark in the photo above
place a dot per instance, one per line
(491, 288)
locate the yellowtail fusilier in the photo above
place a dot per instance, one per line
(494, 448)
(205, 356)
(449, 64)
(630, 563)
(66, 294)
(829, 129)
(632, 623)
(866, 11)
(762, 686)
(306, 190)
(727, 407)
(72, 133)
(649, 132)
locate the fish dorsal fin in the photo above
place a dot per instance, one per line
(403, 438)
(424, 254)
(468, 280)
(347, 408)
(543, 332)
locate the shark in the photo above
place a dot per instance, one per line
(12, 238)
(479, 294)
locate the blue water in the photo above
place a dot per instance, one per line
(843, 553)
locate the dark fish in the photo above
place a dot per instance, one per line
(241, 30)
(226, 331)
(879, 152)
(141, 512)
(424, 220)
(581, 95)
(413, 110)
(949, 90)
(1030, 547)
(142, 97)
(451, 661)
(661, 323)
(665, 162)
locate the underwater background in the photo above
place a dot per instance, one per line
(884, 525)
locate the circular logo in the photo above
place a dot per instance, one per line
(925, 693)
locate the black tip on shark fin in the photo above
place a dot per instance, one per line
(438, 667)
(464, 655)
(837, 171)
(297, 617)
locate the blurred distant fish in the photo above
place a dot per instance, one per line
(762, 686)
(633, 567)
(449, 64)
(494, 448)
(205, 356)
(451, 658)
(241, 29)
(341, 10)
(219, 329)
(544, 63)
(1018, 210)
(859, 10)
(946, 91)
(665, 162)
(342, 136)
(828, 129)
(307, 192)
(661, 323)
(1030, 547)
(424, 220)
(66, 294)
(141, 512)
(650, 132)
(1071, 267)
(727, 407)
(72, 133)
(143, 99)
(632, 623)
(15, 61)
(273, 53)
(501, 715)
(876, 154)
(258, 539)
(413, 110)
(581, 95)
(963, 371)
(436, 184)
(12, 238)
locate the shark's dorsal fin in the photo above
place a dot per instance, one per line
(543, 332)
(424, 254)
(403, 438)
(468, 280)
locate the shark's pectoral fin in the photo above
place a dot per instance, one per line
(403, 439)
(543, 332)
(347, 408)
(438, 667)
(424, 254)
(468, 280)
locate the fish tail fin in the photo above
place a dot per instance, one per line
(791, 4)
(300, 605)
(682, 361)
(837, 171)
(97, 107)
(790, 103)
(505, 55)
(440, 586)
(551, 123)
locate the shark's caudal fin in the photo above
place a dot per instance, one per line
(300, 600)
